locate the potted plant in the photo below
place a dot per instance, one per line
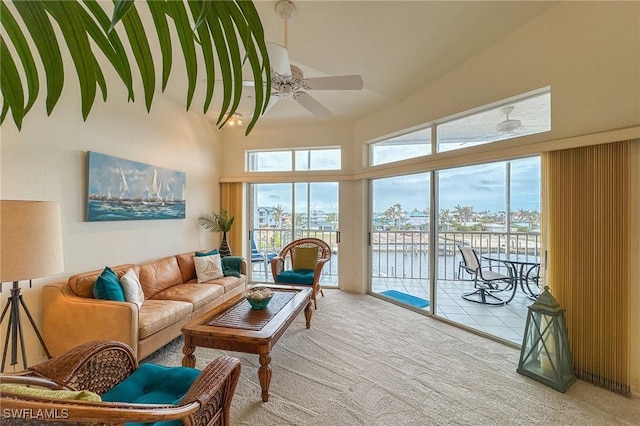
(218, 222)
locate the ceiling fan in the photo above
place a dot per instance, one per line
(288, 80)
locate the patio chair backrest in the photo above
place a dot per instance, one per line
(469, 258)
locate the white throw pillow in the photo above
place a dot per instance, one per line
(132, 288)
(208, 267)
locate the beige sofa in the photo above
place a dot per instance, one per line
(72, 316)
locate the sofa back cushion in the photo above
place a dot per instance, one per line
(82, 284)
(187, 268)
(159, 275)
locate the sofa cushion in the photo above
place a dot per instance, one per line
(187, 268)
(82, 284)
(229, 283)
(198, 295)
(158, 314)
(159, 275)
(81, 395)
(108, 287)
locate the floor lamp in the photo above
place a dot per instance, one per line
(30, 247)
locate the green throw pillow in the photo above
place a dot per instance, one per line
(305, 258)
(108, 287)
(82, 395)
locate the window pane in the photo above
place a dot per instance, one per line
(403, 147)
(525, 117)
(318, 159)
(525, 195)
(269, 161)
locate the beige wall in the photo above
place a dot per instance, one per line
(47, 161)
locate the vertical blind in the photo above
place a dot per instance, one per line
(588, 214)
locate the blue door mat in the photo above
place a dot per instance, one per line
(406, 298)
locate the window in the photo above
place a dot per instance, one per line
(510, 120)
(527, 114)
(410, 145)
(294, 160)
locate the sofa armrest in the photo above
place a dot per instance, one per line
(69, 320)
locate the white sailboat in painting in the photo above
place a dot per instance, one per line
(125, 192)
(153, 196)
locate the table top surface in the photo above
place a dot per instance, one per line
(236, 318)
(526, 259)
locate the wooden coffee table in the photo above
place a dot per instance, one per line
(234, 326)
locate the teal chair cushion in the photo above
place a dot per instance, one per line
(296, 276)
(154, 384)
(108, 287)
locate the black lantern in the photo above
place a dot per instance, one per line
(545, 354)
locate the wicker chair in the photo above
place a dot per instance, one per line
(100, 365)
(287, 258)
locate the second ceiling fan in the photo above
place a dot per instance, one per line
(288, 80)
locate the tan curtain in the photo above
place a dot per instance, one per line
(232, 196)
(588, 212)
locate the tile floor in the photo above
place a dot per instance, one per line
(504, 321)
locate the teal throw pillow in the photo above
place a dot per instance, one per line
(207, 253)
(108, 287)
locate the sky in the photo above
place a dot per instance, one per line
(481, 187)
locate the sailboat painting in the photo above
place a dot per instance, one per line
(120, 189)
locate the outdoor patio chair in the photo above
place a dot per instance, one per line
(257, 257)
(91, 371)
(532, 281)
(306, 258)
(486, 282)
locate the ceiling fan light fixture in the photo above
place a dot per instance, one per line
(235, 120)
(508, 125)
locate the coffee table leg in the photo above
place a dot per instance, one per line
(189, 359)
(264, 374)
(307, 314)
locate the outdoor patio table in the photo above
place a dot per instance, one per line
(518, 265)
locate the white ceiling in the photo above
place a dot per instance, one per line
(396, 46)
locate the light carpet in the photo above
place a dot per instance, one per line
(369, 362)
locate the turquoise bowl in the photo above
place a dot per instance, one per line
(259, 303)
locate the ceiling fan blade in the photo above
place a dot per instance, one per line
(279, 59)
(339, 82)
(313, 106)
(272, 101)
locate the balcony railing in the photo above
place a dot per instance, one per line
(405, 254)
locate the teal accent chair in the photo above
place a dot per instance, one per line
(296, 277)
(108, 367)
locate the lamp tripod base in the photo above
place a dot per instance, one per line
(15, 329)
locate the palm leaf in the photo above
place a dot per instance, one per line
(186, 36)
(75, 35)
(28, 63)
(13, 95)
(37, 23)
(228, 30)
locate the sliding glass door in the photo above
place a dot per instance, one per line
(493, 208)
(283, 212)
(399, 238)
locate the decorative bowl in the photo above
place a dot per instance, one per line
(259, 297)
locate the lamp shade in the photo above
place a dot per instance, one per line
(30, 239)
